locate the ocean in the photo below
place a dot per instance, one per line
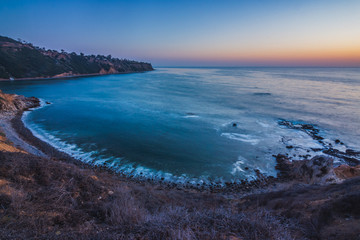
(195, 125)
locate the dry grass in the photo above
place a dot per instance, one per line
(52, 199)
(45, 199)
(7, 146)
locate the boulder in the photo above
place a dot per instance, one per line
(346, 172)
(13, 102)
(318, 170)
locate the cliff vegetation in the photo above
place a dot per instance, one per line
(19, 59)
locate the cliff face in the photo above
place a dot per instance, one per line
(23, 60)
(12, 103)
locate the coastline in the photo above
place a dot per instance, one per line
(287, 175)
(56, 196)
(17, 130)
(71, 76)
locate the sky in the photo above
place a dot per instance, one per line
(193, 32)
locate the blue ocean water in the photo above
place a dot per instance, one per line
(178, 123)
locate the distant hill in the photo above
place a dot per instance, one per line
(23, 60)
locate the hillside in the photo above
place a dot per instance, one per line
(23, 60)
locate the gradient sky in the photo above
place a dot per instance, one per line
(193, 32)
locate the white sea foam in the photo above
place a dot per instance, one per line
(191, 116)
(264, 125)
(303, 140)
(241, 137)
(115, 163)
(339, 147)
(227, 124)
(63, 146)
(237, 165)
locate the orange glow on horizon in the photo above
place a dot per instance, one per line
(341, 56)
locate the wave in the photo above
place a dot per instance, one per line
(191, 116)
(262, 94)
(264, 125)
(237, 165)
(117, 164)
(241, 137)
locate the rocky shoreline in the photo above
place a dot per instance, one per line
(70, 76)
(317, 170)
(349, 156)
(54, 196)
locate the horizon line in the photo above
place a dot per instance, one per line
(264, 66)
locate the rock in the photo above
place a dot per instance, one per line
(337, 141)
(289, 147)
(283, 166)
(319, 169)
(12, 103)
(346, 172)
(352, 152)
(349, 155)
(307, 126)
(317, 137)
(316, 149)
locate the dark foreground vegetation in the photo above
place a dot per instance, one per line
(55, 200)
(51, 199)
(56, 197)
(19, 59)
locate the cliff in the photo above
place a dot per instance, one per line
(11, 103)
(23, 60)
